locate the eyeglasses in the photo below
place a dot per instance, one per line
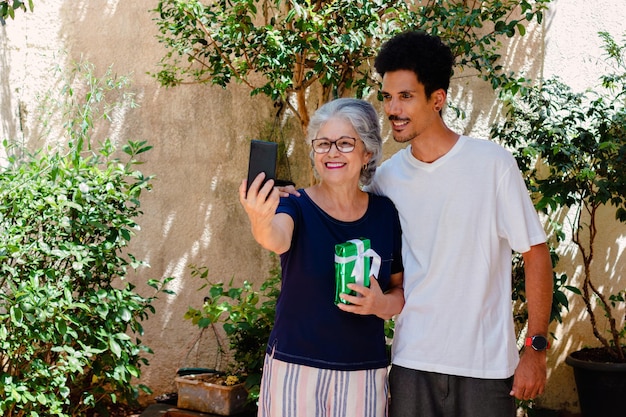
(344, 144)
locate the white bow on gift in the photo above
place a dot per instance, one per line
(359, 265)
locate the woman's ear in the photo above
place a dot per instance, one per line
(368, 157)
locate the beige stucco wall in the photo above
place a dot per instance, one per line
(200, 136)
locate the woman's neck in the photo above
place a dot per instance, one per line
(341, 203)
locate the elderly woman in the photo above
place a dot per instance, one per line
(327, 358)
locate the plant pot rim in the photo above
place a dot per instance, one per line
(594, 365)
(195, 371)
(197, 379)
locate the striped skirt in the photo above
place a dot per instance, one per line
(289, 390)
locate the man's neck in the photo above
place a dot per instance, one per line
(430, 148)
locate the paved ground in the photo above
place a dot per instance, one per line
(166, 410)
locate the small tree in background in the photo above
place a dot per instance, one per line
(304, 53)
(572, 148)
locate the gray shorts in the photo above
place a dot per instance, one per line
(428, 394)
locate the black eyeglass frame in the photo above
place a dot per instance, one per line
(334, 142)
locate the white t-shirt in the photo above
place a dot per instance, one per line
(461, 217)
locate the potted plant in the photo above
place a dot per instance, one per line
(247, 317)
(572, 146)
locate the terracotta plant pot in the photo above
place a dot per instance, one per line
(201, 393)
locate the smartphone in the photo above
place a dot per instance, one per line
(263, 156)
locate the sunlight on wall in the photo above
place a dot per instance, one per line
(205, 237)
(579, 62)
(111, 7)
(108, 10)
(82, 10)
(621, 245)
(175, 269)
(120, 116)
(167, 224)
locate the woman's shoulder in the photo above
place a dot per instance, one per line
(295, 199)
(381, 202)
(293, 203)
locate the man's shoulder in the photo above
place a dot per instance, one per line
(385, 174)
(485, 144)
(486, 150)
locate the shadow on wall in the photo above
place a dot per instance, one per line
(473, 95)
(195, 147)
(609, 268)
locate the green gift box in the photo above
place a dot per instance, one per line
(355, 262)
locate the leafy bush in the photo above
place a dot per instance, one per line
(247, 316)
(69, 325)
(572, 147)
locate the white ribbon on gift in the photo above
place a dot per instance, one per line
(359, 266)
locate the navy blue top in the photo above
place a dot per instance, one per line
(310, 329)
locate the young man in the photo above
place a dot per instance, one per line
(463, 208)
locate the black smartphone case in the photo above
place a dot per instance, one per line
(263, 156)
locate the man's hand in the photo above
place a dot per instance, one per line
(286, 190)
(530, 376)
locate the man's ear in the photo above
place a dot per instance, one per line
(438, 98)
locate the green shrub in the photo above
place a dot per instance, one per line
(247, 316)
(571, 147)
(69, 324)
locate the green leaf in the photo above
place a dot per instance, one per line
(61, 327)
(16, 315)
(125, 314)
(115, 347)
(204, 322)
(574, 289)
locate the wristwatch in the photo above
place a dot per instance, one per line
(537, 342)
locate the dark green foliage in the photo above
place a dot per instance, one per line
(282, 49)
(70, 327)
